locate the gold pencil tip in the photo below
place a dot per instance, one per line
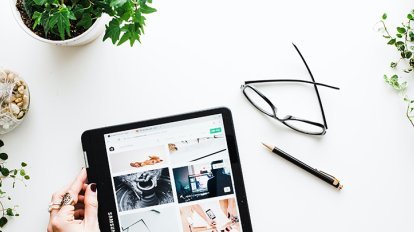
(268, 146)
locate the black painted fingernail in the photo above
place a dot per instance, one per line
(93, 187)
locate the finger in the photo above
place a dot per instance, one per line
(79, 213)
(91, 207)
(81, 198)
(77, 185)
(79, 206)
(76, 221)
(66, 210)
(66, 214)
(84, 187)
(56, 199)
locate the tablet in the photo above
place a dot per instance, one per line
(171, 174)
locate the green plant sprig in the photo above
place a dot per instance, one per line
(410, 110)
(403, 42)
(16, 174)
(59, 17)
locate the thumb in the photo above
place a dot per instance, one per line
(91, 208)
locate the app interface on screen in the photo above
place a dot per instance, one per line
(174, 177)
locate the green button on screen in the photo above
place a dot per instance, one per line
(215, 130)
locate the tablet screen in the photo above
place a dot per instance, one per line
(174, 177)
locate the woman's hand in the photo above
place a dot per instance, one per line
(81, 214)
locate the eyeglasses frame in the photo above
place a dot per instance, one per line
(323, 126)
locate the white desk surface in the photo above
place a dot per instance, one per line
(195, 55)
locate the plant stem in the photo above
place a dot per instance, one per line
(411, 118)
(2, 208)
(385, 28)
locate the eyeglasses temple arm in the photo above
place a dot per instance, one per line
(315, 86)
(291, 80)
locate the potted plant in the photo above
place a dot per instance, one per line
(403, 41)
(78, 22)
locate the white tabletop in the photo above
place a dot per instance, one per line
(195, 55)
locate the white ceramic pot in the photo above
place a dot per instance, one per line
(88, 36)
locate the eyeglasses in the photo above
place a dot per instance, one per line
(264, 105)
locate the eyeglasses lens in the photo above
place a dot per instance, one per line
(305, 127)
(258, 101)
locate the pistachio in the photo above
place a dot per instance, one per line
(21, 89)
(20, 115)
(11, 76)
(14, 108)
(25, 98)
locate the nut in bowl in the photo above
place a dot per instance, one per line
(14, 100)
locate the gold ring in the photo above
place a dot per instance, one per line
(67, 200)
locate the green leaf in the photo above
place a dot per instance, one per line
(145, 9)
(391, 42)
(40, 2)
(384, 16)
(9, 212)
(398, 35)
(393, 64)
(125, 37)
(27, 177)
(410, 17)
(61, 19)
(394, 82)
(117, 3)
(126, 16)
(24, 164)
(3, 221)
(37, 17)
(22, 172)
(85, 22)
(4, 156)
(401, 30)
(113, 30)
(399, 43)
(408, 54)
(5, 171)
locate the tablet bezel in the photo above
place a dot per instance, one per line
(93, 144)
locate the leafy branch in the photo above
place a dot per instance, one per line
(61, 17)
(16, 174)
(410, 110)
(403, 42)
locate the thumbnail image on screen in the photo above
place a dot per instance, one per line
(212, 215)
(143, 189)
(201, 181)
(154, 220)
